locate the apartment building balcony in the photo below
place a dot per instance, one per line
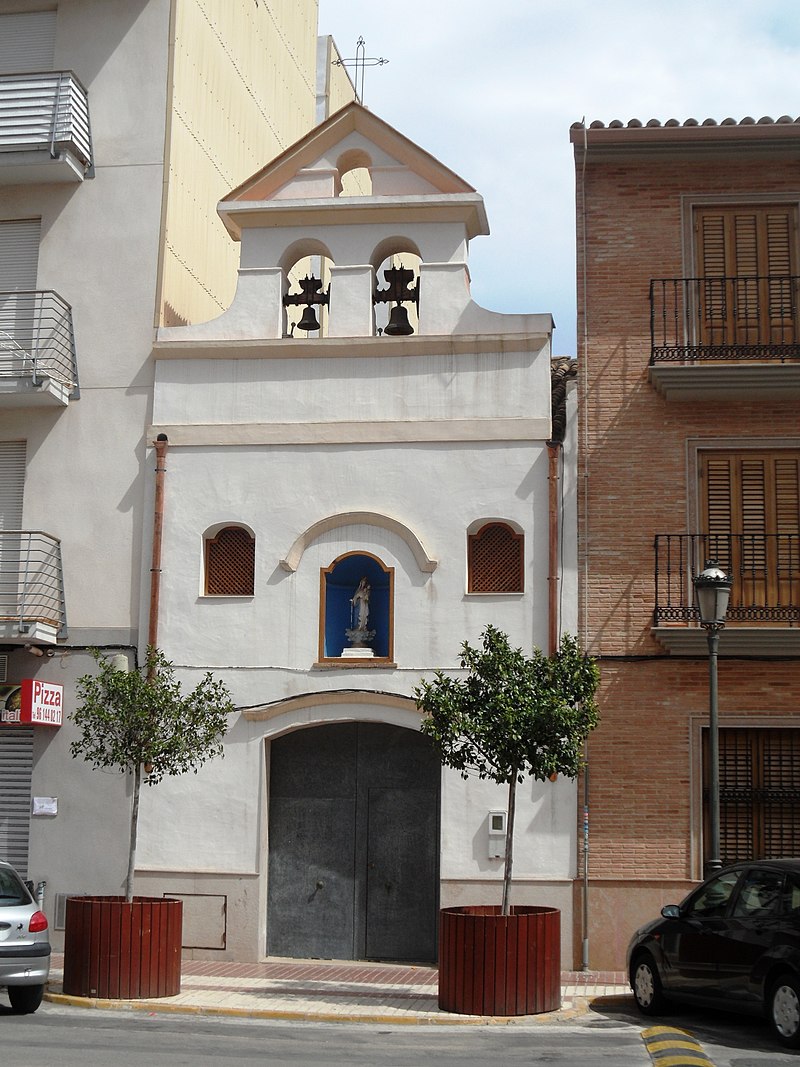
(38, 365)
(764, 612)
(32, 605)
(725, 337)
(45, 135)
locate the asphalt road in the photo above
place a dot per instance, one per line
(76, 1037)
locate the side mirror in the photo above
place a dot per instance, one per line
(671, 911)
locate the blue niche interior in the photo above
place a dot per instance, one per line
(340, 585)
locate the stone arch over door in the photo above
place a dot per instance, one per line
(353, 843)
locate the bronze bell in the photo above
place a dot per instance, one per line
(398, 324)
(309, 319)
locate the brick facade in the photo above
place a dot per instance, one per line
(637, 478)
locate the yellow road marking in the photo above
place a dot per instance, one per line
(670, 1047)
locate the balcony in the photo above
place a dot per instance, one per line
(32, 607)
(38, 367)
(725, 338)
(764, 612)
(45, 134)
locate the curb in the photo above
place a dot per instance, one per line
(579, 1008)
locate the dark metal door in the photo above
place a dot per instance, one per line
(353, 844)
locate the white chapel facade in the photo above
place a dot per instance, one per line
(343, 506)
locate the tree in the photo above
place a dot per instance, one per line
(140, 723)
(512, 716)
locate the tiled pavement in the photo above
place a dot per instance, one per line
(331, 991)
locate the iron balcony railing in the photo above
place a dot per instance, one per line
(31, 580)
(764, 568)
(36, 337)
(47, 111)
(736, 318)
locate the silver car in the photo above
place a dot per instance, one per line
(24, 943)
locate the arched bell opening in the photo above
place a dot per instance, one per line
(355, 175)
(306, 268)
(396, 296)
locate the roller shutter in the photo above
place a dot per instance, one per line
(16, 765)
(27, 42)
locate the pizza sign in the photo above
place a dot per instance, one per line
(32, 702)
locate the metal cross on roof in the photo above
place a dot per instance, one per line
(360, 62)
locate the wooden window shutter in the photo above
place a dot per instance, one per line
(230, 563)
(747, 258)
(495, 560)
(758, 775)
(751, 519)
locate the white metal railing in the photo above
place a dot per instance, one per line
(31, 579)
(48, 111)
(36, 337)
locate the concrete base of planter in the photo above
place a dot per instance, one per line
(493, 964)
(122, 951)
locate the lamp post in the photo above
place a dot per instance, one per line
(713, 589)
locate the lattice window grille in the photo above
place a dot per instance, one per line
(496, 560)
(230, 563)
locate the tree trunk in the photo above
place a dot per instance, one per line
(137, 784)
(509, 861)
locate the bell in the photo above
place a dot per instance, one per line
(309, 319)
(398, 324)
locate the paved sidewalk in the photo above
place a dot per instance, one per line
(332, 991)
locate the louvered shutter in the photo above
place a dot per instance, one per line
(746, 260)
(12, 486)
(16, 765)
(27, 42)
(751, 517)
(758, 775)
(19, 254)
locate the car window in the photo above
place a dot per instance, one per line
(791, 895)
(711, 899)
(12, 891)
(760, 894)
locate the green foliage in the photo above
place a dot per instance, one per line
(512, 715)
(136, 719)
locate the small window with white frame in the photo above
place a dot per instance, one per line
(496, 559)
(229, 562)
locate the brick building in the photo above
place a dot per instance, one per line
(689, 358)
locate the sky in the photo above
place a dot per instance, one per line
(491, 90)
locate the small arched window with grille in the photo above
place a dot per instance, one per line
(495, 559)
(230, 562)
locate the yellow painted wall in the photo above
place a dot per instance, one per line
(243, 90)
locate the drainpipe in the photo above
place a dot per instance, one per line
(553, 578)
(161, 444)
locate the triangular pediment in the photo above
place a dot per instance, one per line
(352, 137)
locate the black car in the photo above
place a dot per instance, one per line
(733, 943)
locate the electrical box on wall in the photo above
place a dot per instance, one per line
(497, 835)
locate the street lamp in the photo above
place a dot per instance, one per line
(713, 588)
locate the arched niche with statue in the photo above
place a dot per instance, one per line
(356, 611)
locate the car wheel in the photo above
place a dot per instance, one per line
(646, 984)
(784, 1010)
(25, 999)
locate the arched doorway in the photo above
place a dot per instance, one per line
(353, 844)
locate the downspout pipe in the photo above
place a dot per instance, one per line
(553, 577)
(161, 445)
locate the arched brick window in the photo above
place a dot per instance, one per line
(495, 559)
(230, 562)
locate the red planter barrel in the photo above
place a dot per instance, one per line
(119, 950)
(493, 964)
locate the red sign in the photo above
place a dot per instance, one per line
(34, 701)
